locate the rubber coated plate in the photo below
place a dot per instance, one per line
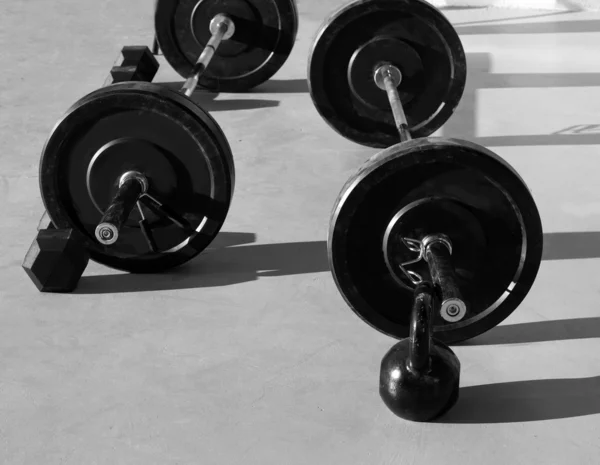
(160, 133)
(410, 34)
(474, 179)
(265, 32)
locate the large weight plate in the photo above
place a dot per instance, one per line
(161, 133)
(476, 181)
(265, 32)
(410, 34)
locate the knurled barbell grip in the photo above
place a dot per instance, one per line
(130, 190)
(221, 28)
(437, 254)
(397, 110)
(388, 77)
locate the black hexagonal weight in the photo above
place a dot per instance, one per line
(137, 63)
(56, 260)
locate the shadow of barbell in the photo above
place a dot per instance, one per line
(463, 122)
(525, 401)
(549, 27)
(233, 258)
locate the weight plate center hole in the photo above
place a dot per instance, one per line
(123, 155)
(372, 55)
(243, 15)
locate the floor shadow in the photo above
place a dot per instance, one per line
(499, 20)
(557, 246)
(551, 27)
(533, 80)
(222, 264)
(459, 7)
(539, 331)
(230, 260)
(537, 140)
(571, 245)
(524, 401)
(463, 124)
(282, 86)
(229, 239)
(208, 100)
(479, 66)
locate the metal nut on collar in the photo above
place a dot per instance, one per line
(436, 239)
(222, 19)
(384, 71)
(138, 177)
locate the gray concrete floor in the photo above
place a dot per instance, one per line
(248, 354)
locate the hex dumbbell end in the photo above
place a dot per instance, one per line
(137, 63)
(56, 260)
(419, 377)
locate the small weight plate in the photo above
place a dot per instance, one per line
(160, 133)
(412, 35)
(485, 205)
(265, 32)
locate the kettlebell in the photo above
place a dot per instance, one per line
(419, 377)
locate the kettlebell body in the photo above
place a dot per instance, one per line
(419, 377)
(419, 395)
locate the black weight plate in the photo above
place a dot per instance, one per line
(161, 133)
(265, 32)
(410, 34)
(206, 118)
(474, 179)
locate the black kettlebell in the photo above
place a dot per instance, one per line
(419, 378)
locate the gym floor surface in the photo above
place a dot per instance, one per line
(248, 353)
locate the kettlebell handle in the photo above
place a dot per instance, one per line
(421, 329)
